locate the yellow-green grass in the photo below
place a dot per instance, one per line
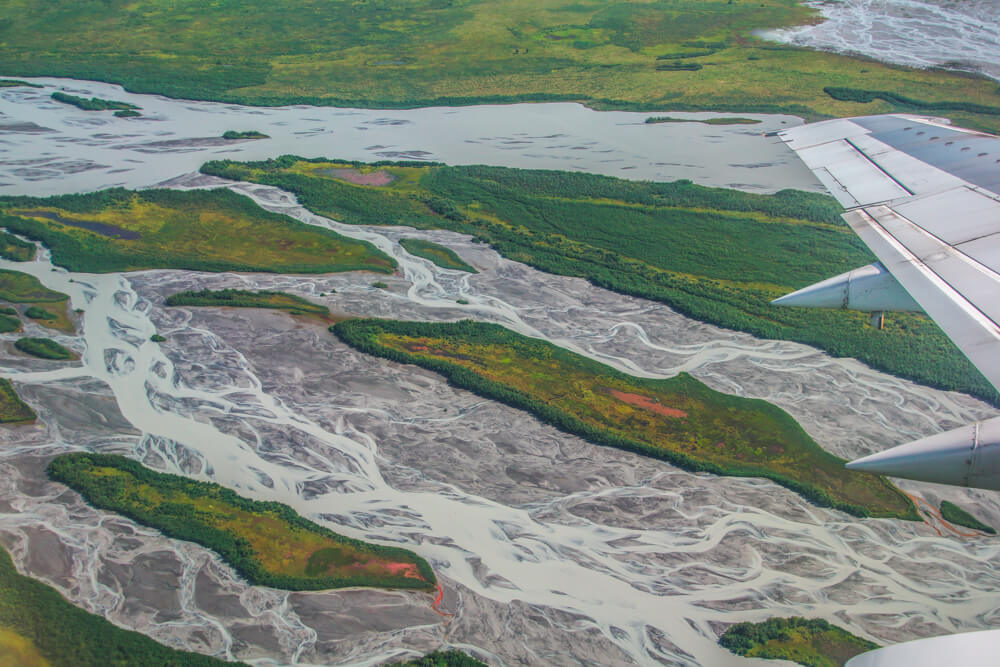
(38, 626)
(809, 642)
(381, 53)
(30, 295)
(652, 240)
(19, 287)
(12, 409)
(214, 230)
(444, 257)
(15, 249)
(233, 298)
(679, 419)
(267, 542)
(19, 651)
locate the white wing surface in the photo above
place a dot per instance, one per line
(925, 198)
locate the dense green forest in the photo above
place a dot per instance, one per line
(809, 642)
(714, 254)
(678, 419)
(955, 514)
(200, 230)
(43, 348)
(266, 542)
(234, 298)
(446, 258)
(52, 631)
(12, 408)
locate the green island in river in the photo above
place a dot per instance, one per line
(444, 257)
(696, 55)
(714, 254)
(12, 409)
(266, 542)
(809, 642)
(199, 230)
(234, 298)
(679, 419)
(48, 307)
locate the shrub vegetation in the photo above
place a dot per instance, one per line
(12, 408)
(714, 254)
(678, 420)
(43, 348)
(235, 298)
(442, 659)
(15, 249)
(9, 323)
(266, 542)
(444, 257)
(39, 313)
(201, 230)
(956, 515)
(810, 642)
(96, 104)
(249, 134)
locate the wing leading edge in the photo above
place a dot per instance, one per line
(925, 198)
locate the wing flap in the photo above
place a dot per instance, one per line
(923, 202)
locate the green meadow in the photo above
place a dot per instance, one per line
(649, 54)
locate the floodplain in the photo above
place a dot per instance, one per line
(679, 419)
(717, 255)
(267, 542)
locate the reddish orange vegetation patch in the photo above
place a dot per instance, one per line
(647, 403)
(408, 570)
(376, 178)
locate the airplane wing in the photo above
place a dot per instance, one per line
(925, 197)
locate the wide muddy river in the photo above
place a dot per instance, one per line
(550, 550)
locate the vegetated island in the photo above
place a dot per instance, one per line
(810, 642)
(233, 135)
(444, 257)
(266, 542)
(14, 83)
(8, 320)
(49, 307)
(39, 627)
(958, 516)
(714, 254)
(12, 409)
(442, 659)
(199, 230)
(234, 298)
(15, 249)
(121, 109)
(679, 420)
(734, 120)
(433, 53)
(43, 348)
